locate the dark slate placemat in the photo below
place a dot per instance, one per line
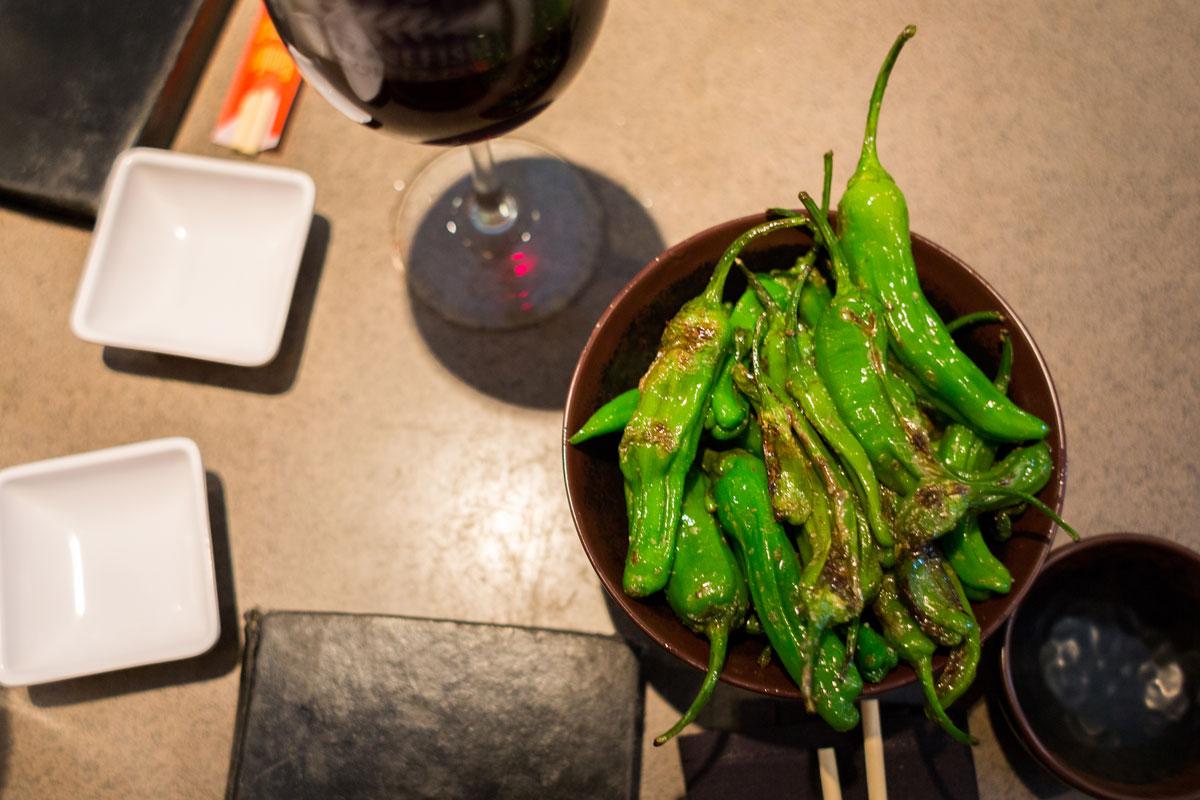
(83, 80)
(781, 761)
(355, 706)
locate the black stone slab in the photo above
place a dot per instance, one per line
(354, 706)
(82, 80)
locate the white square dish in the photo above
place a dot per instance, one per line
(105, 562)
(195, 257)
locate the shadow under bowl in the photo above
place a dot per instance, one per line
(625, 341)
(1101, 668)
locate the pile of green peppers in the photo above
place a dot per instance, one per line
(816, 461)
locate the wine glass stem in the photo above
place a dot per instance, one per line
(493, 209)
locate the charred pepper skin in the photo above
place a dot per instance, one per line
(836, 684)
(661, 439)
(706, 591)
(873, 222)
(925, 582)
(963, 661)
(766, 556)
(849, 344)
(904, 634)
(874, 656)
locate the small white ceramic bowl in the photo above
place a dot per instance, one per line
(105, 562)
(194, 257)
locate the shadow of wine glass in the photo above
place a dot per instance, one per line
(274, 377)
(217, 661)
(532, 366)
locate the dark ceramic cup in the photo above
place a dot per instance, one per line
(622, 346)
(1101, 668)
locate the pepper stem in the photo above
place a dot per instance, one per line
(1004, 371)
(827, 185)
(1005, 491)
(924, 669)
(716, 284)
(975, 318)
(870, 157)
(718, 642)
(841, 273)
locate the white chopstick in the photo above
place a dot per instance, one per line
(873, 750)
(247, 111)
(254, 118)
(831, 788)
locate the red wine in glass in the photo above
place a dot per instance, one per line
(492, 236)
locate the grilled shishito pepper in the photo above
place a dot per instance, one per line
(963, 660)
(706, 590)
(875, 657)
(766, 556)
(836, 684)
(962, 449)
(904, 634)
(609, 418)
(661, 439)
(796, 492)
(873, 220)
(925, 581)
(831, 585)
(849, 344)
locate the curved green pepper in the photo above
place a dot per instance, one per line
(706, 590)
(849, 352)
(836, 684)
(925, 581)
(904, 634)
(611, 417)
(770, 565)
(788, 352)
(965, 548)
(963, 660)
(728, 409)
(661, 439)
(849, 345)
(875, 657)
(810, 392)
(831, 577)
(796, 493)
(873, 220)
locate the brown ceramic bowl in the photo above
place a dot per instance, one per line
(1101, 668)
(624, 342)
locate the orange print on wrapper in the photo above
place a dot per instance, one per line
(261, 94)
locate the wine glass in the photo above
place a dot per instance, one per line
(496, 234)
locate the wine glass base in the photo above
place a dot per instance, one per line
(484, 273)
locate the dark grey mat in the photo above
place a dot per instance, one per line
(780, 761)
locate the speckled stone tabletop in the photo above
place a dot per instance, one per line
(389, 462)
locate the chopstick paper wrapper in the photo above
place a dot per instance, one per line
(260, 97)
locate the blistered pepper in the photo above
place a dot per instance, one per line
(873, 221)
(706, 590)
(767, 559)
(661, 439)
(875, 657)
(904, 634)
(836, 684)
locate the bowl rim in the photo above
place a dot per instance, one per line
(1015, 713)
(902, 675)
